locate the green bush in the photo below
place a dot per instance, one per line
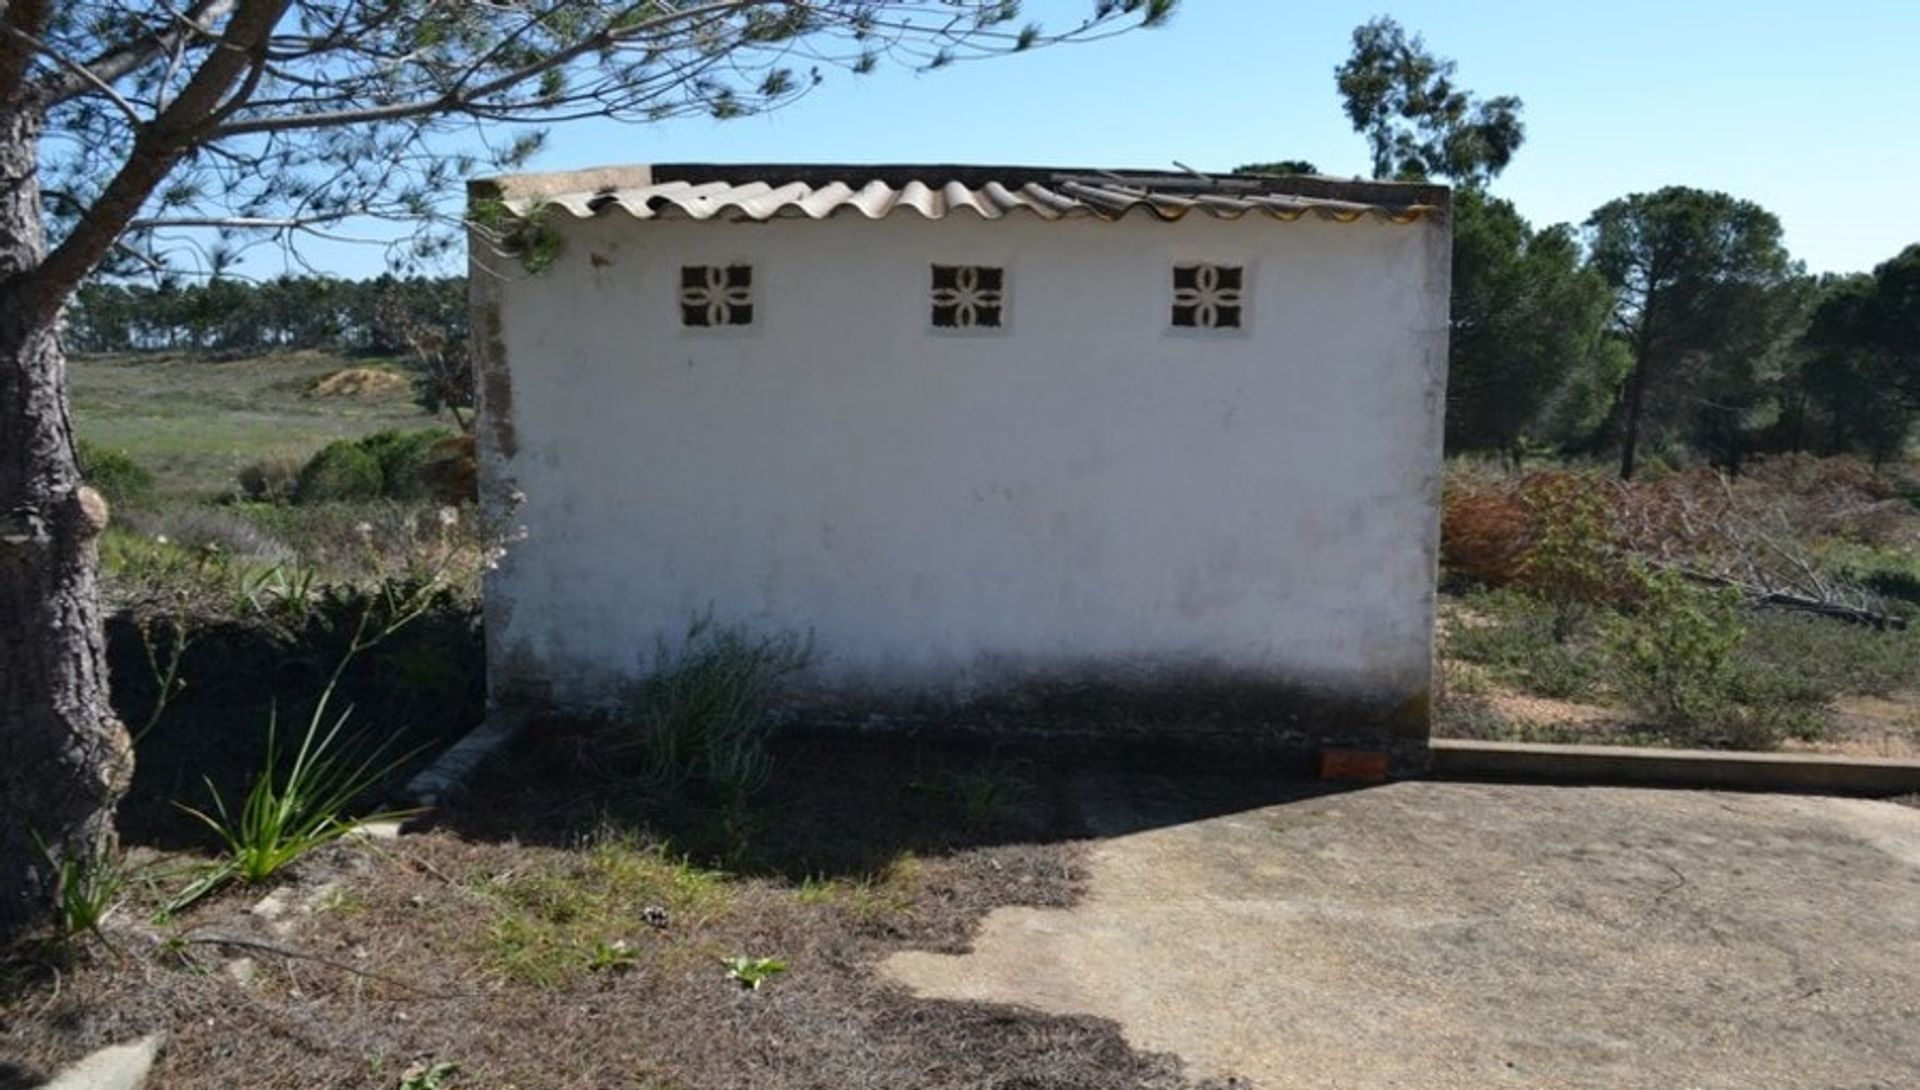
(384, 465)
(1673, 656)
(1891, 572)
(114, 474)
(1676, 660)
(1573, 564)
(341, 471)
(401, 455)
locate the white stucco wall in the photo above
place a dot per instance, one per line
(1086, 494)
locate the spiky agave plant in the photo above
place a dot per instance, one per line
(289, 813)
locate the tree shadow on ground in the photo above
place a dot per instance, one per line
(846, 805)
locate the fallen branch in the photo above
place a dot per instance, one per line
(1879, 620)
(302, 955)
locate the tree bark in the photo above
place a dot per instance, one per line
(1630, 433)
(64, 759)
(1636, 392)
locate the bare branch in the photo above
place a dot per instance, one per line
(120, 61)
(75, 69)
(237, 222)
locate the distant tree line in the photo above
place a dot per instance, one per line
(1671, 325)
(226, 316)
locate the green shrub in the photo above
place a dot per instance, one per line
(704, 714)
(114, 474)
(384, 465)
(1893, 573)
(401, 455)
(341, 471)
(1573, 564)
(1903, 586)
(1673, 656)
(1676, 660)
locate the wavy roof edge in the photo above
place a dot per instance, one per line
(764, 191)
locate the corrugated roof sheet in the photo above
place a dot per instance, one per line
(773, 191)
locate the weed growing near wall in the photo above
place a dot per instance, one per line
(702, 717)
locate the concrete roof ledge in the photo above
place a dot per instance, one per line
(1811, 773)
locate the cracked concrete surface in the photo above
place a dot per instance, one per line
(1432, 936)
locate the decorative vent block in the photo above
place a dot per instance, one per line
(1208, 296)
(969, 296)
(716, 295)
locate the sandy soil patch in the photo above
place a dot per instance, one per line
(360, 382)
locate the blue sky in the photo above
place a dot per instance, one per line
(1810, 109)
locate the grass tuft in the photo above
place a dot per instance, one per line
(615, 904)
(704, 714)
(88, 887)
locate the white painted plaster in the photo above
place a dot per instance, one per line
(945, 512)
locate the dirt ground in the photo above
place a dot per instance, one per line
(1436, 936)
(565, 927)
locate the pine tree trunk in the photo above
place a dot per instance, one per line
(1630, 435)
(1636, 392)
(64, 759)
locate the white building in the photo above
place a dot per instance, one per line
(1088, 450)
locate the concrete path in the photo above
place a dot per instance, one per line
(1432, 936)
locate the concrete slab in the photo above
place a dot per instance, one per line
(1433, 935)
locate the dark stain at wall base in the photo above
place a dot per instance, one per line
(1258, 749)
(515, 678)
(1281, 727)
(1200, 715)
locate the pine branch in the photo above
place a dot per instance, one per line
(120, 61)
(157, 148)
